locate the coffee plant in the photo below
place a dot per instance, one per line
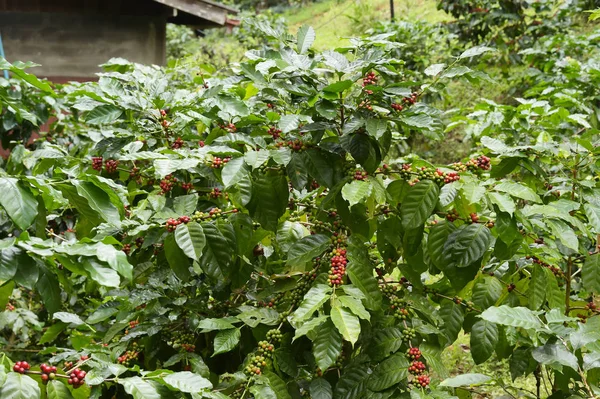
(509, 25)
(265, 234)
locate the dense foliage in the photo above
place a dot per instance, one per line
(268, 234)
(221, 47)
(509, 25)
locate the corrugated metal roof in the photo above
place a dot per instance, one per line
(204, 9)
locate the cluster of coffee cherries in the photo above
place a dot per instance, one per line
(302, 286)
(295, 145)
(215, 193)
(397, 305)
(76, 378)
(388, 290)
(129, 357)
(410, 100)
(450, 177)
(408, 334)
(183, 342)
(214, 213)
(230, 127)
(218, 163)
(187, 186)
(360, 175)
(167, 184)
(266, 348)
(417, 368)
(274, 132)
(452, 215)
(591, 308)
(338, 267)
(339, 362)
(274, 336)
(134, 174)
(413, 353)
(321, 226)
(442, 178)
(97, 163)
(370, 79)
(397, 107)
(557, 271)
(126, 249)
(422, 381)
(21, 367)
(366, 104)
(412, 175)
(178, 143)
(259, 360)
(48, 373)
(473, 165)
(163, 119)
(111, 166)
(339, 239)
(172, 224)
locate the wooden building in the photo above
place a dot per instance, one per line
(70, 38)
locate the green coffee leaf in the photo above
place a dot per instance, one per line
(139, 388)
(360, 271)
(590, 273)
(453, 316)
(419, 203)
(58, 390)
(355, 306)
(484, 337)
(327, 345)
(468, 244)
(356, 191)
(186, 381)
(313, 300)
(388, 373)
(320, 388)
(19, 203)
(306, 37)
(555, 354)
(537, 288)
(307, 248)
(514, 317)
(226, 340)
(20, 386)
(190, 238)
(309, 326)
(346, 322)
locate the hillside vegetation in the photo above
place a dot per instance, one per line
(410, 213)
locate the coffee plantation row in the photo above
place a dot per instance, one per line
(268, 232)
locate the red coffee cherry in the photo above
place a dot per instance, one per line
(21, 367)
(414, 353)
(97, 163)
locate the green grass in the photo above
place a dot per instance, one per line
(334, 20)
